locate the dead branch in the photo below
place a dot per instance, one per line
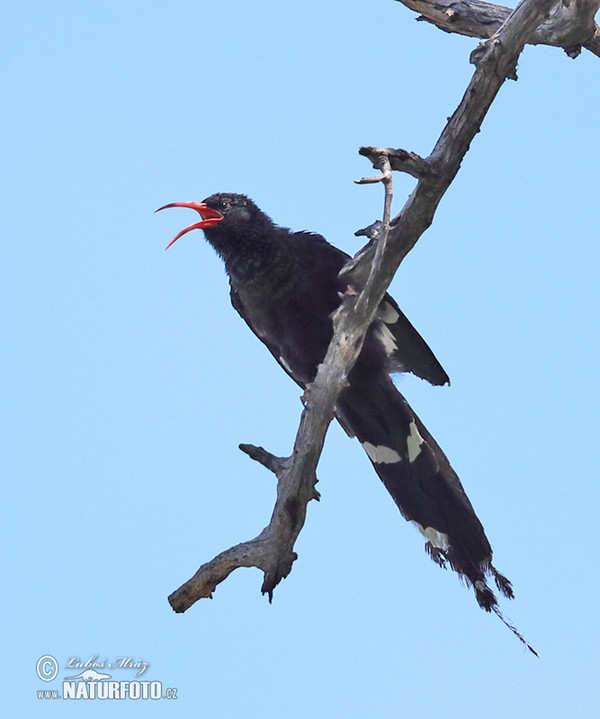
(272, 550)
(569, 24)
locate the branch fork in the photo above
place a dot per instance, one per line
(272, 550)
(569, 24)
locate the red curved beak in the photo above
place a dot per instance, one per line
(210, 217)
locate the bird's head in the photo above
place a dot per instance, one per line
(222, 213)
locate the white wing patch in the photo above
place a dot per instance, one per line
(439, 540)
(285, 365)
(413, 442)
(381, 454)
(386, 338)
(387, 313)
(388, 316)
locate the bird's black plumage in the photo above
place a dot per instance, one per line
(285, 285)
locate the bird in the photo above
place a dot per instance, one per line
(285, 285)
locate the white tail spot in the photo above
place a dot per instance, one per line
(435, 538)
(413, 442)
(381, 454)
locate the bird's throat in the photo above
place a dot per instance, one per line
(248, 259)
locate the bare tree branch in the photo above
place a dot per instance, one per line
(401, 160)
(570, 23)
(272, 550)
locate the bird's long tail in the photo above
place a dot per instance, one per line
(418, 475)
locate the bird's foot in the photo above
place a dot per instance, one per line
(305, 396)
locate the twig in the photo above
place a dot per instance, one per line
(401, 160)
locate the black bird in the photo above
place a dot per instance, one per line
(285, 285)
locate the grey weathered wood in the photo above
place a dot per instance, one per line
(272, 550)
(569, 24)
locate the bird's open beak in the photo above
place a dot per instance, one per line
(210, 217)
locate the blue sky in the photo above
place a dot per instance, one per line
(128, 380)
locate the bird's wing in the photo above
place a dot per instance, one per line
(269, 339)
(303, 312)
(407, 351)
